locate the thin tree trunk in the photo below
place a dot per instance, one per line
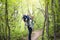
(43, 29)
(7, 24)
(47, 20)
(52, 7)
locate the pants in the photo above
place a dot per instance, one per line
(30, 32)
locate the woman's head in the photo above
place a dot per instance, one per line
(25, 18)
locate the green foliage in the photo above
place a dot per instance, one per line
(16, 9)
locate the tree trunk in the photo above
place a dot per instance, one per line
(47, 20)
(43, 29)
(7, 24)
(52, 7)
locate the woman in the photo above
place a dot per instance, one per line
(29, 23)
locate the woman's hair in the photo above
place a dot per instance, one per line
(26, 18)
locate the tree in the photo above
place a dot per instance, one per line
(7, 24)
(52, 7)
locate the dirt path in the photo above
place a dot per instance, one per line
(36, 34)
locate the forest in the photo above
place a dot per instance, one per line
(46, 17)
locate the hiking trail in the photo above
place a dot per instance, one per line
(35, 35)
